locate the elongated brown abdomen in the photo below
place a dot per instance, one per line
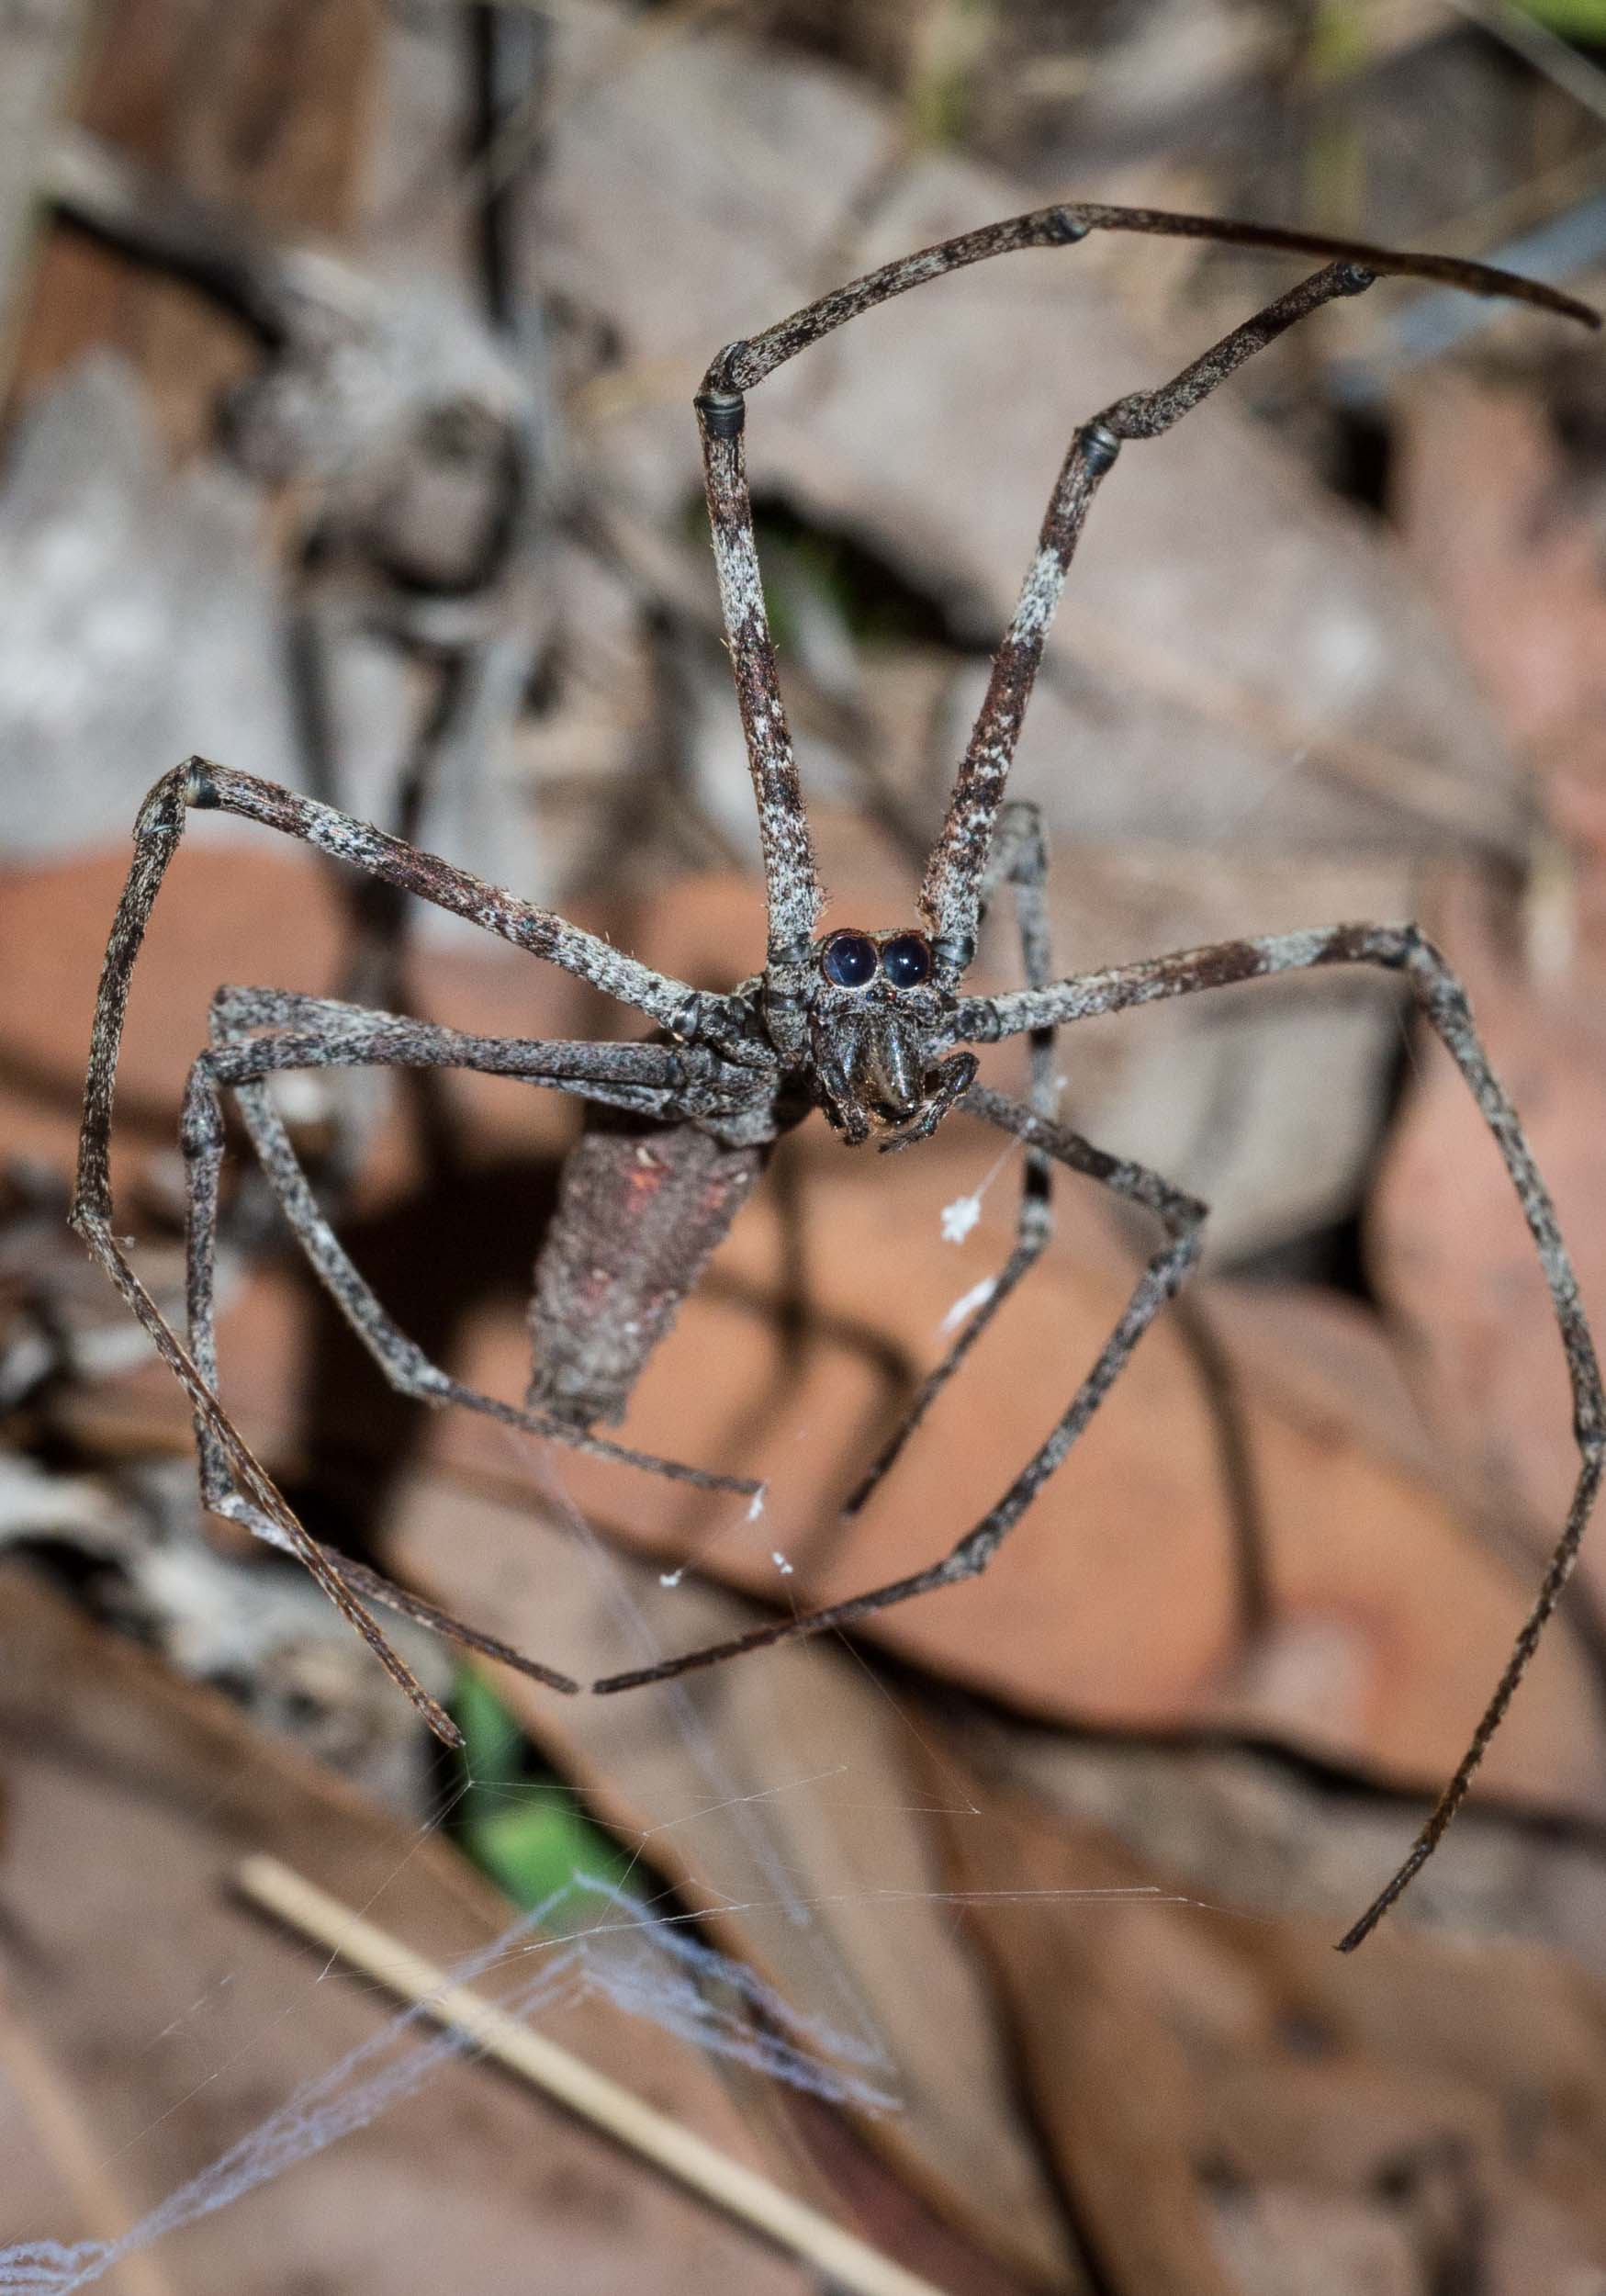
(641, 1210)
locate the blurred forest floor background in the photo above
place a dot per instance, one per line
(348, 358)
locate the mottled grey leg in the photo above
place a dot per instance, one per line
(200, 786)
(660, 1081)
(948, 898)
(92, 1216)
(742, 364)
(954, 872)
(791, 877)
(1181, 1216)
(1019, 858)
(1404, 949)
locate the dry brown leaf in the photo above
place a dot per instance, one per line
(1256, 1832)
(1512, 567)
(1109, 2084)
(175, 2021)
(1247, 2061)
(1113, 1600)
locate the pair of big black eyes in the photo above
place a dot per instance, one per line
(849, 960)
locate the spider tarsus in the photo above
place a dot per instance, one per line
(667, 1670)
(1359, 1932)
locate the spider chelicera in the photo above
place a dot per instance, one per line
(873, 1028)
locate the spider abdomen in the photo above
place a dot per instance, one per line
(641, 1210)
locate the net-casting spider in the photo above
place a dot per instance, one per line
(871, 1027)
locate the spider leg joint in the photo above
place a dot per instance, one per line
(953, 954)
(199, 789)
(1099, 448)
(723, 412)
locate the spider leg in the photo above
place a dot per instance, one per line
(157, 833)
(329, 1034)
(685, 1012)
(791, 881)
(1404, 949)
(742, 365)
(1018, 859)
(1180, 1215)
(948, 898)
(648, 1079)
(954, 872)
(90, 1216)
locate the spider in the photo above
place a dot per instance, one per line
(870, 1025)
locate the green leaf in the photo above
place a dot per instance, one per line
(1573, 19)
(534, 1851)
(518, 1822)
(494, 1747)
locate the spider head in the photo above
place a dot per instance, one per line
(874, 1011)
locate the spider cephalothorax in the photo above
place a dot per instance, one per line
(877, 1026)
(863, 1025)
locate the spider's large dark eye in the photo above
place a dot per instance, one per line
(848, 959)
(906, 961)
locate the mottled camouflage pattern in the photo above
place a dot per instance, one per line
(642, 1210)
(682, 1123)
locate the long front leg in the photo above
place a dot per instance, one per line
(950, 894)
(954, 873)
(791, 881)
(742, 365)
(390, 860)
(1169, 1268)
(791, 876)
(1401, 948)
